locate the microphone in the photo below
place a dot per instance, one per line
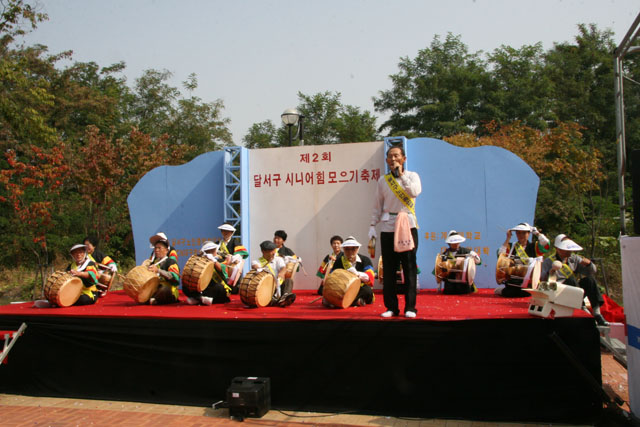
(396, 171)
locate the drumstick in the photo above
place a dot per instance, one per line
(316, 299)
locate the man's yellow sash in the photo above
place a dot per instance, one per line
(521, 253)
(401, 195)
(264, 263)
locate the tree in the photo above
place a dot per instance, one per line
(159, 109)
(326, 121)
(441, 92)
(261, 135)
(521, 91)
(31, 186)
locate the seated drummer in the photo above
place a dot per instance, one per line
(217, 292)
(91, 242)
(275, 265)
(521, 251)
(166, 267)
(361, 266)
(84, 268)
(172, 253)
(573, 265)
(279, 237)
(103, 262)
(230, 251)
(336, 242)
(455, 250)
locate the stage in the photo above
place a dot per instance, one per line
(478, 356)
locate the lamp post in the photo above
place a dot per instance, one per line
(291, 117)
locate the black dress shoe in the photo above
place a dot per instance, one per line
(600, 321)
(287, 299)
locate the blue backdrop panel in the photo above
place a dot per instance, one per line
(185, 202)
(480, 191)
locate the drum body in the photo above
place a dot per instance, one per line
(506, 268)
(455, 270)
(236, 273)
(63, 289)
(341, 288)
(256, 288)
(291, 270)
(140, 284)
(197, 273)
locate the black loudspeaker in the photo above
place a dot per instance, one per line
(249, 397)
(635, 182)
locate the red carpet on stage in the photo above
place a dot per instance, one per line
(430, 305)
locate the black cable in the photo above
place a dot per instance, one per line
(330, 414)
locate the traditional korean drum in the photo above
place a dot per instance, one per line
(291, 269)
(460, 269)
(63, 289)
(197, 273)
(520, 275)
(140, 284)
(106, 278)
(341, 288)
(256, 288)
(236, 273)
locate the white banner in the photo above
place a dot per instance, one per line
(630, 251)
(312, 193)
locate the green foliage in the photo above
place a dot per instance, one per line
(261, 135)
(326, 121)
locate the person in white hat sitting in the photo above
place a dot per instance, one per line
(572, 266)
(231, 253)
(521, 252)
(456, 251)
(217, 291)
(85, 269)
(165, 265)
(361, 266)
(283, 295)
(161, 237)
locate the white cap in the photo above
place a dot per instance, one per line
(523, 226)
(227, 227)
(454, 237)
(208, 245)
(350, 242)
(559, 238)
(159, 237)
(566, 244)
(74, 247)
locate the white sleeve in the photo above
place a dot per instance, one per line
(411, 183)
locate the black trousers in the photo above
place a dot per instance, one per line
(366, 293)
(216, 291)
(391, 261)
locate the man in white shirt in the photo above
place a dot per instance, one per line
(396, 192)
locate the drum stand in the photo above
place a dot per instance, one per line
(10, 339)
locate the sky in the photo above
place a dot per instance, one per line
(256, 55)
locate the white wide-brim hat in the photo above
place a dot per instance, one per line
(74, 247)
(523, 226)
(454, 237)
(350, 242)
(159, 237)
(208, 246)
(227, 227)
(566, 244)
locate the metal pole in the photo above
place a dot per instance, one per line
(289, 126)
(620, 139)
